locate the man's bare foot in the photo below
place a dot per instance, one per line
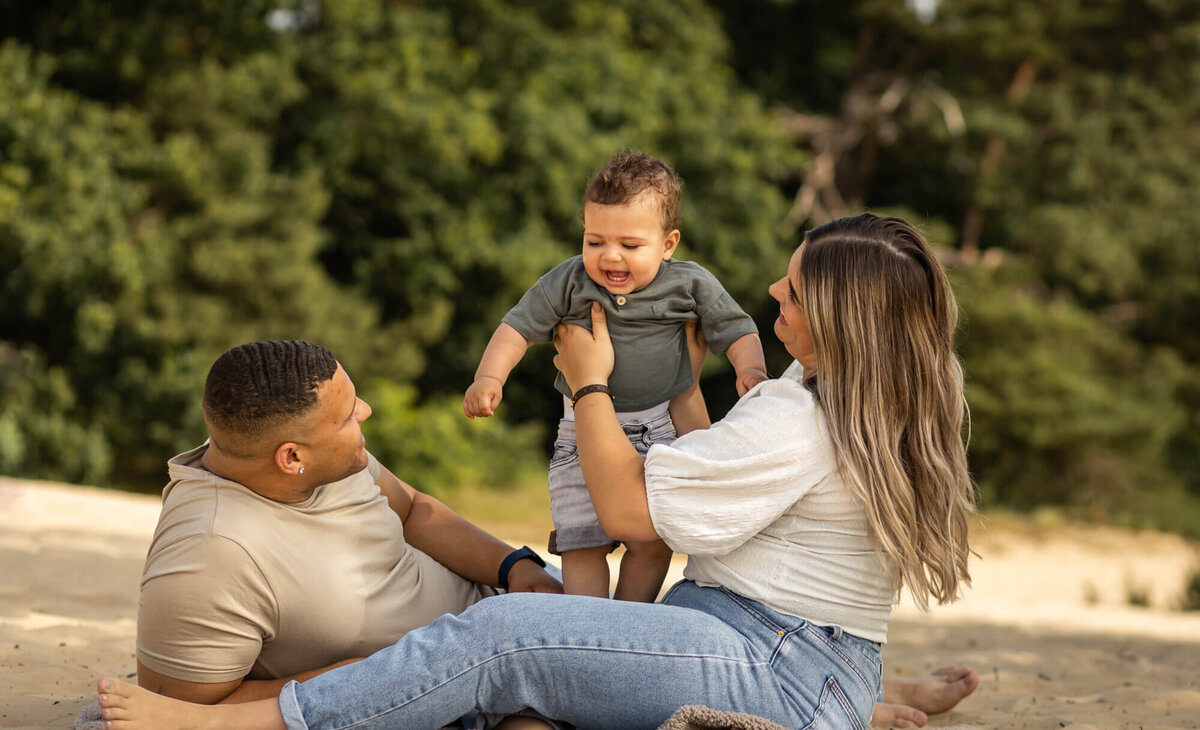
(907, 702)
(127, 707)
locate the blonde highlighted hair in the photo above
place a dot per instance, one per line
(882, 318)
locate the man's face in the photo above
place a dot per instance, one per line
(335, 437)
(623, 245)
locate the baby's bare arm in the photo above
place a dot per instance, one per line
(503, 352)
(746, 355)
(688, 411)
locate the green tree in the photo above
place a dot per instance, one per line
(457, 138)
(1052, 146)
(132, 258)
(384, 178)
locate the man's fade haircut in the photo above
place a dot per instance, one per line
(628, 175)
(255, 388)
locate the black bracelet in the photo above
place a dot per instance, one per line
(585, 390)
(507, 564)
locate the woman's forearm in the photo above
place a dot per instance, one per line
(613, 469)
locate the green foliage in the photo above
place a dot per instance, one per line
(131, 259)
(432, 446)
(383, 178)
(1069, 200)
(388, 178)
(457, 138)
(38, 438)
(1064, 410)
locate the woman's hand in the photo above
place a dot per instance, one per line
(584, 358)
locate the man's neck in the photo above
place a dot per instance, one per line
(259, 475)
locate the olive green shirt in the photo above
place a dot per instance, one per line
(646, 326)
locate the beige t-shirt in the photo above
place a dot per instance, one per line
(237, 585)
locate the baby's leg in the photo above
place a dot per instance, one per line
(642, 571)
(585, 572)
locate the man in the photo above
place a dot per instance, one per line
(285, 549)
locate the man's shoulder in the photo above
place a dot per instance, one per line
(195, 508)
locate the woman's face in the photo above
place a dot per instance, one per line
(792, 326)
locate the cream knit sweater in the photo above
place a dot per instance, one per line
(757, 505)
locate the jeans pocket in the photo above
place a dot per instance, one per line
(834, 710)
(564, 453)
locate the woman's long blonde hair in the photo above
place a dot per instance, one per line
(882, 318)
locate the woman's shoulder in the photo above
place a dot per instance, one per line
(789, 385)
(781, 407)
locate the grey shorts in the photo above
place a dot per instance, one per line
(576, 526)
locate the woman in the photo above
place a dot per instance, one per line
(803, 512)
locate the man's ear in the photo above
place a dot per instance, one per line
(670, 242)
(289, 457)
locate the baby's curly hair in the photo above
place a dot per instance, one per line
(629, 174)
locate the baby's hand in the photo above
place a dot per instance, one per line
(749, 378)
(482, 397)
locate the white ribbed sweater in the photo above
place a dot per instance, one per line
(757, 505)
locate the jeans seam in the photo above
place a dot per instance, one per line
(846, 658)
(518, 650)
(750, 609)
(835, 691)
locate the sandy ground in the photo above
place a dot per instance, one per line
(1048, 624)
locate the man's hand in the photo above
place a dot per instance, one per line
(749, 378)
(526, 576)
(482, 397)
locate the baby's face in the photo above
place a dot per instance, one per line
(623, 245)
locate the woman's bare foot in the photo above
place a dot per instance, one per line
(128, 707)
(907, 702)
(889, 715)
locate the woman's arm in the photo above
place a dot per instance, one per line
(612, 467)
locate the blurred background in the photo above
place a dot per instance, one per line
(386, 179)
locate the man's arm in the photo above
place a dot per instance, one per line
(439, 532)
(238, 690)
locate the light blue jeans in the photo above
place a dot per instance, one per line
(597, 663)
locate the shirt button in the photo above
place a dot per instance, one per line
(620, 301)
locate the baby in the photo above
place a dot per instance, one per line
(631, 219)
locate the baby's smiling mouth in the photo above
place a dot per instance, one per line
(617, 277)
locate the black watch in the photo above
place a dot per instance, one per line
(507, 564)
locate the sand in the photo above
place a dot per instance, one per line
(1048, 624)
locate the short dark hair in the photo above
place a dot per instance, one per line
(628, 175)
(254, 388)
